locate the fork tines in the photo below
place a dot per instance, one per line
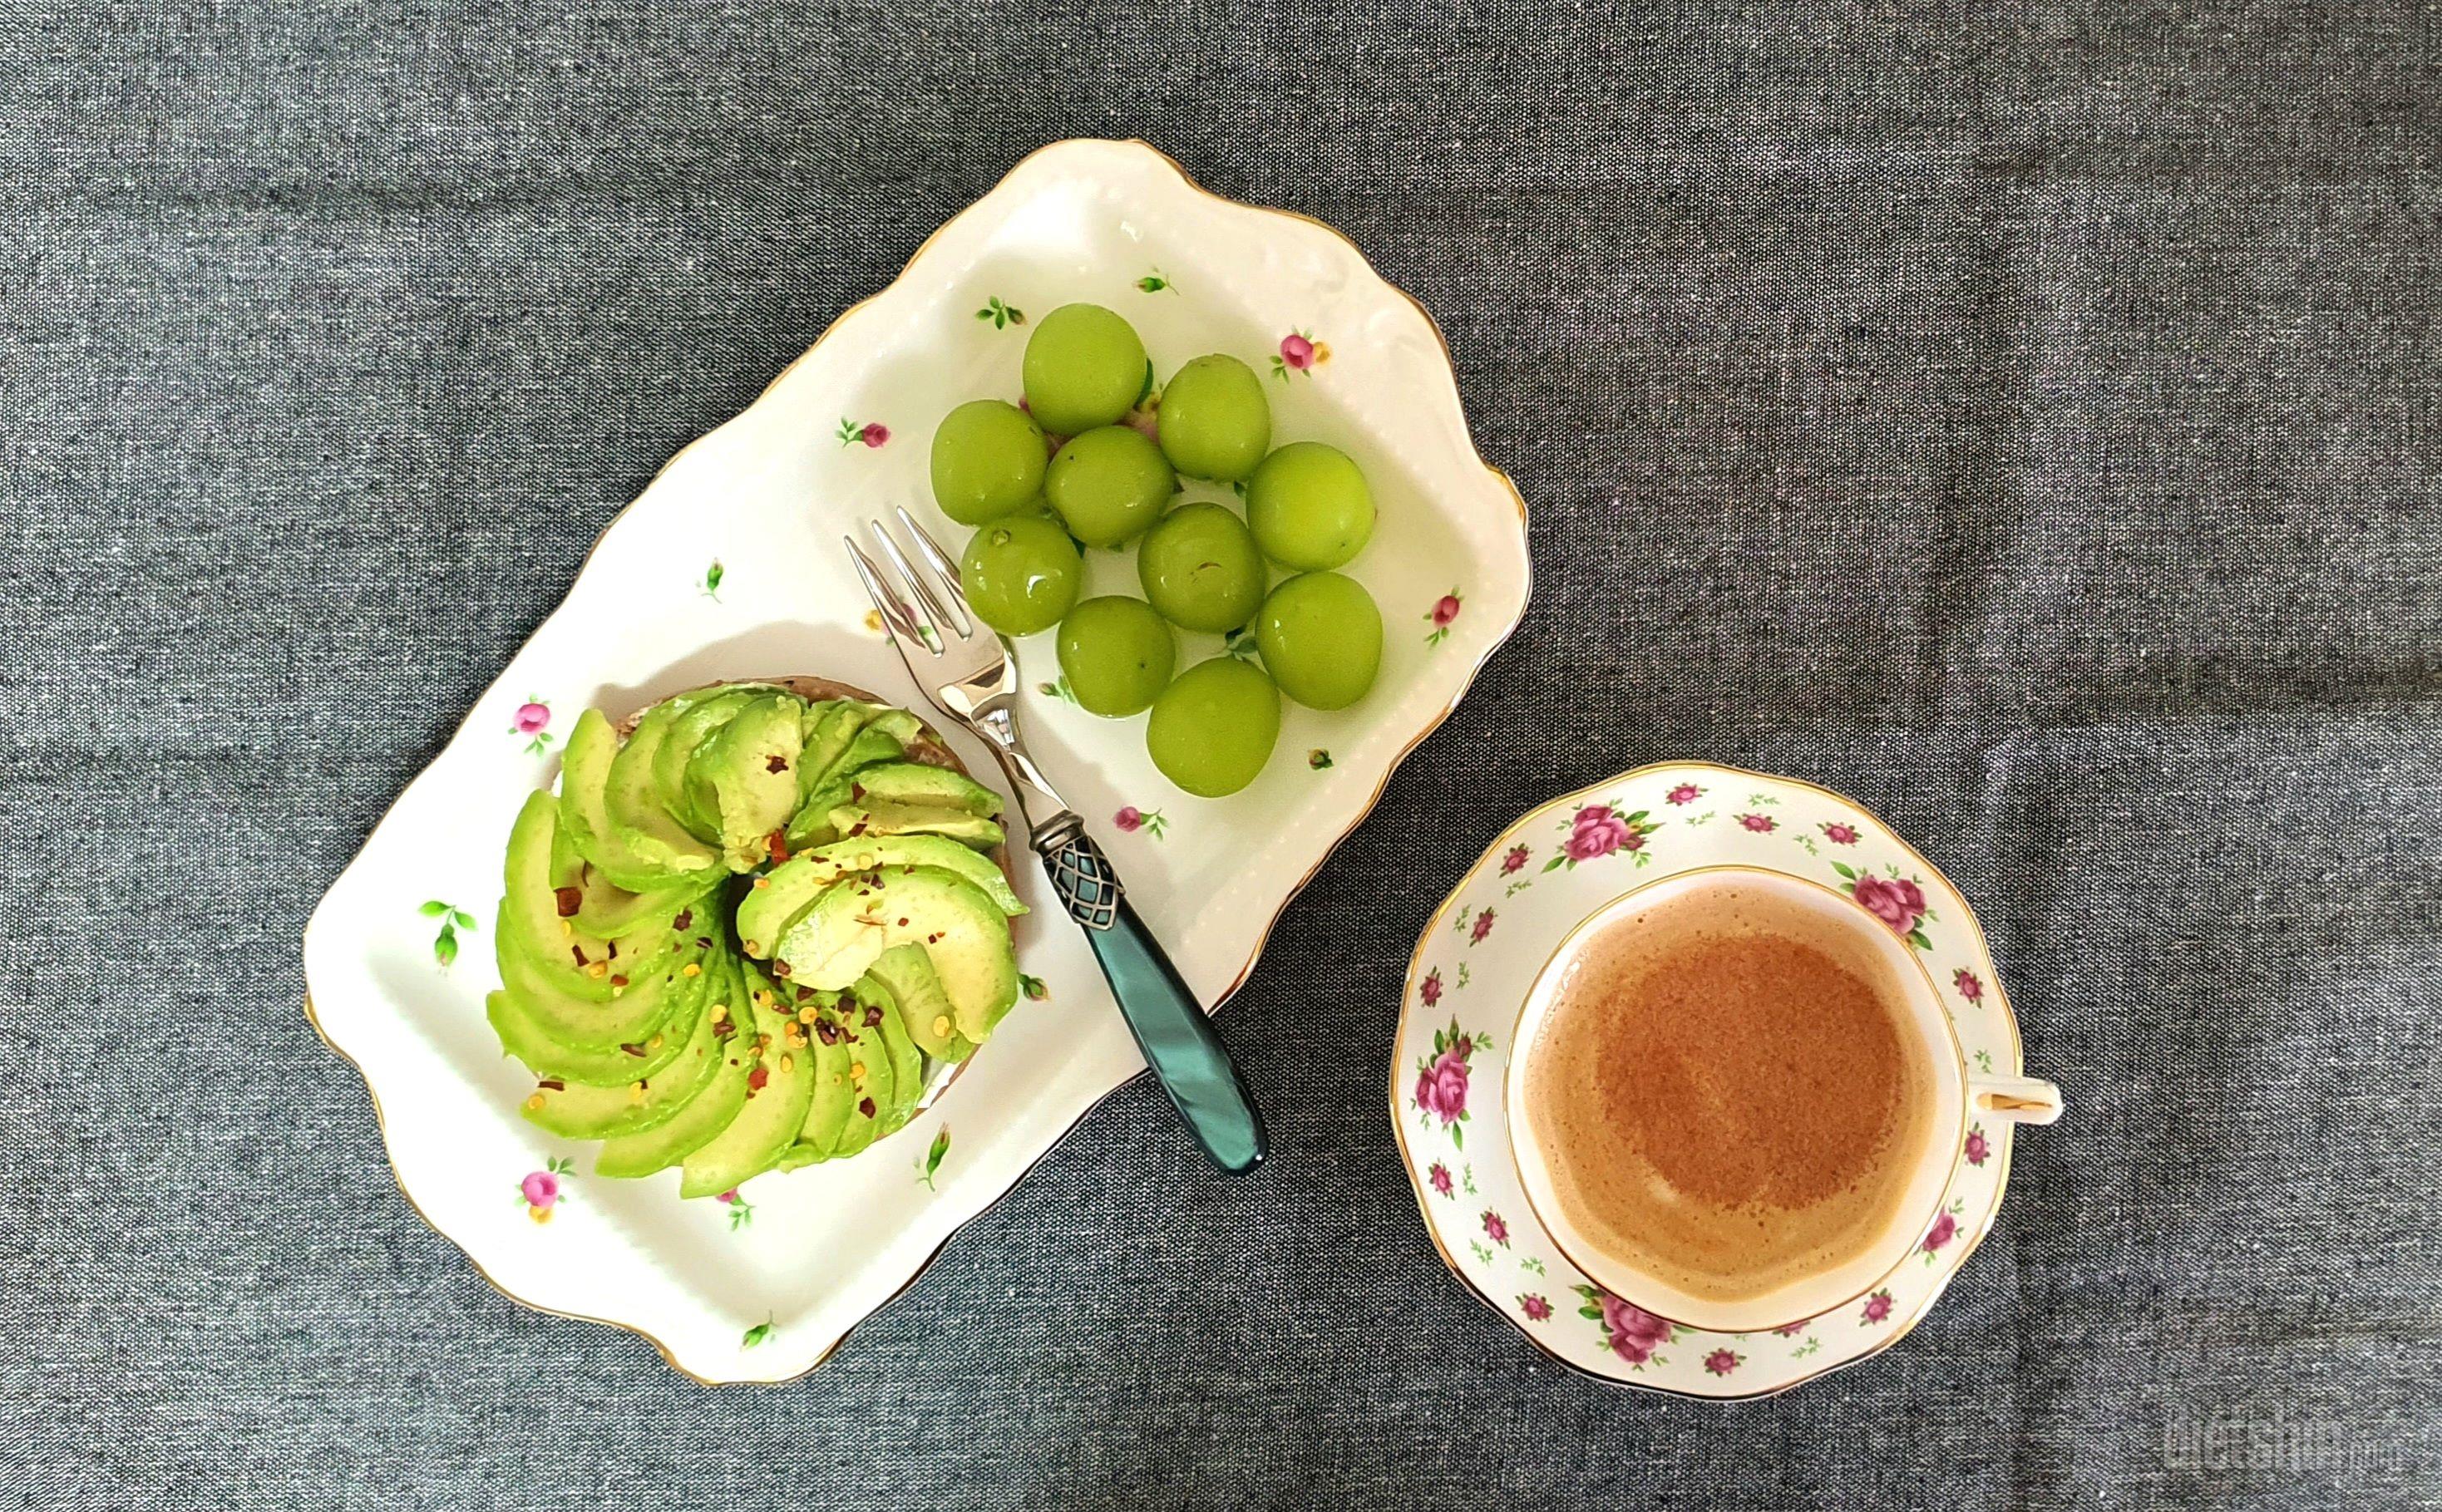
(935, 585)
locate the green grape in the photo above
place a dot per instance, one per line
(1021, 573)
(1322, 639)
(1309, 506)
(1214, 419)
(1109, 484)
(986, 461)
(1200, 568)
(1084, 368)
(1117, 654)
(1212, 730)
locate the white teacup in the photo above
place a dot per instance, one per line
(1952, 1087)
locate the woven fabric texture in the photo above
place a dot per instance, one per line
(2024, 420)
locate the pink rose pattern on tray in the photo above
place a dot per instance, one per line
(533, 722)
(1440, 1094)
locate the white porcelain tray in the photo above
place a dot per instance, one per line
(730, 566)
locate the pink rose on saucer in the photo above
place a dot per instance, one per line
(1482, 927)
(1878, 1307)
(1971, 986)
(1721, 1361)
(1442, 1089)
(1761, 822)
(1685, 793)
(1633, 1333)
(875, 434)
(1496, 1227)
(541, 1189)
(1513, 858)
(1130, 819)
(1296, 352)
(1840, 835)
(1444, 610)
(1431, 988)
(1598, 831)
(1534, 1305)
(1944, 1229)
(1979, 1148)
(1793, 1330)
(1438, 1174)
(531, 718)
(1894, 901)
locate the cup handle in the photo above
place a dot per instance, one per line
(2019, 1099)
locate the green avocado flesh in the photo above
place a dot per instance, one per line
(852, 821)
(629, 942)
(639, 808)
(838, 939)
(710, 1110)
(778, 1092)
(688, 734)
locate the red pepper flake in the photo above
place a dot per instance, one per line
(755, 1079)
(551, 1084)
(903, 921)
(777, 764)
(636, 1051)
(827, 1030)
(778, 844)
(568, 900)
(685, 921)
(723, 1029)
(618, 981)
(864, 1105)
(932, 939)
(578, 951)
(703, 941)
(873, 1018)
(856, 790)
(780, 967)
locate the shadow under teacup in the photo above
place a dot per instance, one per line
(1940, 1091)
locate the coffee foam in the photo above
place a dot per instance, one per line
(1732, 1089)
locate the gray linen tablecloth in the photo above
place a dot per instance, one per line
(2025, 422)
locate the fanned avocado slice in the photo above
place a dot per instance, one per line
(827, 1113)
(778, 1091)
(539, 877)
(811, 825)
(828, 728)
(689, 733)
(870, 1079)
(584, 779)
(745, 778)
(714, 1104)
(608, 910)
(880, 1015)
(875, 852)
(907, 971)
(922, 785)
(837, 940)
(626, 1009)
(554, 1060)
(581, 1112)
(852, 821)
(632, 797)
(782, 895)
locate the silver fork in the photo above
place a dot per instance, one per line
(964, 668)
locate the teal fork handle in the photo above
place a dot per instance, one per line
(1170, 1026)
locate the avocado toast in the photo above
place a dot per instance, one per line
(750, 928)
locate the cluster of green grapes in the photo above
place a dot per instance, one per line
(1308, 510)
